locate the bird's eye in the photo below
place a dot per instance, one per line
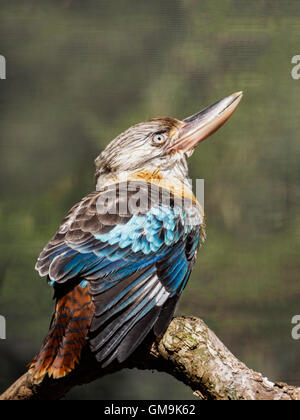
(159, 138)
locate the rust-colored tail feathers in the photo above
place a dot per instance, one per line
(62, 347)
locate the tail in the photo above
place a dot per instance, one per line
(62, 347)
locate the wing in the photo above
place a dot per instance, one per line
(134, 245)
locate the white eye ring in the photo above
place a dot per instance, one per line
(159, 138)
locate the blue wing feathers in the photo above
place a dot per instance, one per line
(109, 339)
(135, 285)
(134, 311)
(133, 269)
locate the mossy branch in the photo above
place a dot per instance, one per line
(189, 351)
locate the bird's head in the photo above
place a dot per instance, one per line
(162, 145)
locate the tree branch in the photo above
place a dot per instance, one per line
(189, 351)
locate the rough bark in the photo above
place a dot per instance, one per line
(189, 351)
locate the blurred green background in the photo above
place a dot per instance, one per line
(79, 73)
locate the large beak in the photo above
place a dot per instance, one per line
(198, 127)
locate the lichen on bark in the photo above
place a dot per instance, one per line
(189, 351)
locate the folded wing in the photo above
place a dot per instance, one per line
(134, 250)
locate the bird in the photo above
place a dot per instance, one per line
(123, 254)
